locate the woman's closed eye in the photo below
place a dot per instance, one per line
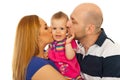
(46, 28)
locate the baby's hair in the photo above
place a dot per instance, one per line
(60, 15)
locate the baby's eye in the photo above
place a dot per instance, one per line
(62, 28)
(54, 28)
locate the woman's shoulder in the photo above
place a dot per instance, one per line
(37, 60)
(35, 64)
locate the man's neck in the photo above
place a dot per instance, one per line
(89, 41)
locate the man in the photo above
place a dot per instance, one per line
(98, 55)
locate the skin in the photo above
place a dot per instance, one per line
(32, 35)
(59, 31)
(45, 37)
(44, 73)
(85, 22)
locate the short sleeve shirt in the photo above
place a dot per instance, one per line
(35, 64)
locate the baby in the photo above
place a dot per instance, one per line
(63, 50)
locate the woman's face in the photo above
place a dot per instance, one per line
(45, 32)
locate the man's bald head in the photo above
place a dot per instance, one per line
(91, 13)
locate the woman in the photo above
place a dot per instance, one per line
(29, 61)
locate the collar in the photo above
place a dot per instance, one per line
(57, 42)
(102, 37)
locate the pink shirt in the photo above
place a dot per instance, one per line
(56, 53)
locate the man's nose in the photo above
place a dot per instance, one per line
(68, 23)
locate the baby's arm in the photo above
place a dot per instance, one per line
(70, 53)
(46, 51)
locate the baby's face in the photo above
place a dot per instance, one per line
(59, 29)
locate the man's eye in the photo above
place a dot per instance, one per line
(74, 22)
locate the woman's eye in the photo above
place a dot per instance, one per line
(46, 28)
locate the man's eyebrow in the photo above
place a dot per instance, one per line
(72, 18)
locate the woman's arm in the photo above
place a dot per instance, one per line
(47, 72)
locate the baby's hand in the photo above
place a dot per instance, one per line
(46, 55)
(70, 36)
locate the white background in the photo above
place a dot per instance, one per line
(11, 11)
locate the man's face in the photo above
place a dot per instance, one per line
(76, 24)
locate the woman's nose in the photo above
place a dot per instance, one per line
(50, 29)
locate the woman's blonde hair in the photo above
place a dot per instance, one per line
(25, 45)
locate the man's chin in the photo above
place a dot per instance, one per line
(76, 38)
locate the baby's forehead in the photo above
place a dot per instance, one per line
(62, 26)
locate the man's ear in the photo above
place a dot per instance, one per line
(90, 29)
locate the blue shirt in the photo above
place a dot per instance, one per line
(35, 64)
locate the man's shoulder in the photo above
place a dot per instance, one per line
(110, 48)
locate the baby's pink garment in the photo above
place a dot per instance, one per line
(56, 53)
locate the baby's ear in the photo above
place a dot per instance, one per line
(67, 30)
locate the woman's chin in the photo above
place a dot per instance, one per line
(51, 40)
